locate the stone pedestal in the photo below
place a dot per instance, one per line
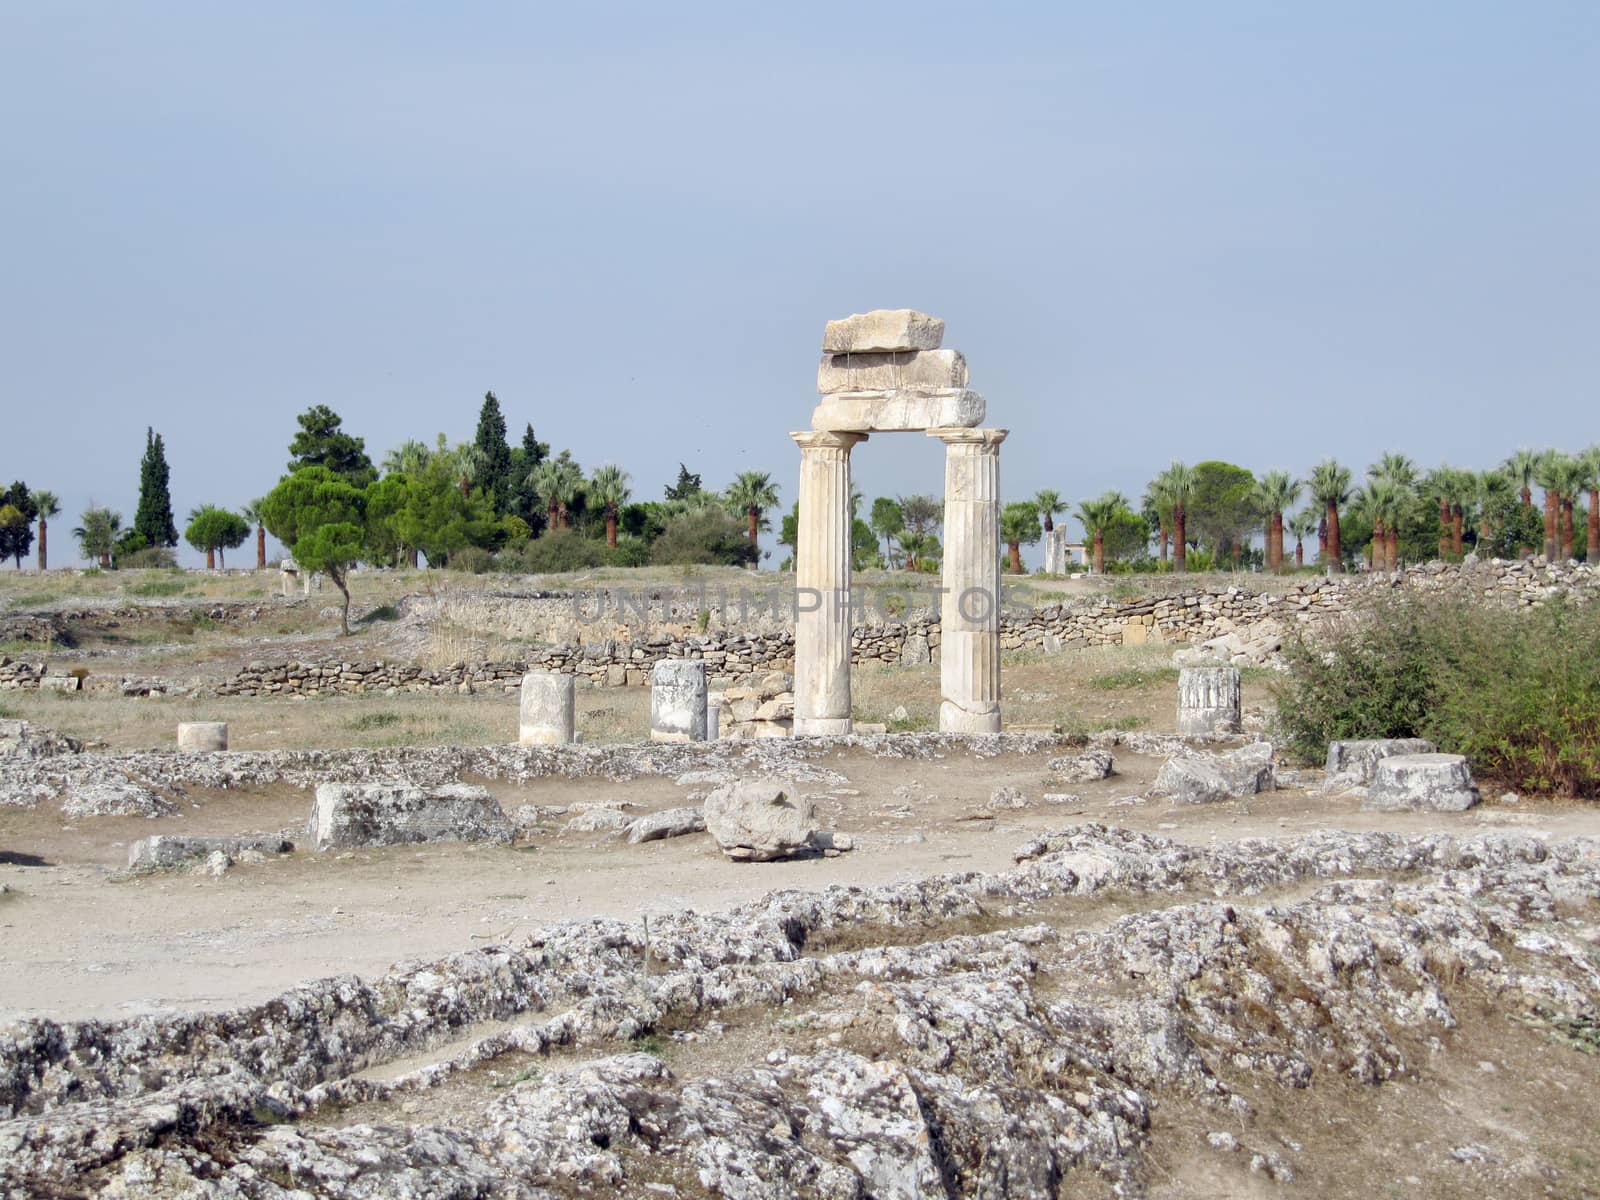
(822, 584)
(1208, 700)
(196, 737)
(969, 611)
(678, 700)
(547, 709)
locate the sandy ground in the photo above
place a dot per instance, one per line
(80, 941)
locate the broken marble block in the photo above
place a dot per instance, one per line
(169, 850)
(1422, 783)
(1210, 778)
(883, 330)
(756, 821)
(396, 814)
(1354, 763)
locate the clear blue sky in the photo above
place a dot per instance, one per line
(1255, 231)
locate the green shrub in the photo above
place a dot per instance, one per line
(384, 612)
(146, 557)
(708, 536)
(553, 551)
(1515, 690)
(156, 587)
(472, 560)
(629, 552)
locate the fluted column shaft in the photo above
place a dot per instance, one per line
(822, 584)
(969, 611)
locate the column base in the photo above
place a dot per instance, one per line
(821, 726)
(955, 719)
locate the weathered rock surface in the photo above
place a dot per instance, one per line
(21, 739)
(1209, 778)
(756, 821)
(883, 330)
(670, 823)
(115, 799)
(1354, 763)
(882, 372)
(1422, 783)
(173, 850)
(1021, 1062)
(1082, 768)
(396, 814)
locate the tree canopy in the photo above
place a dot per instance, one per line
(322, 442)
(18, 508)
(214, 530)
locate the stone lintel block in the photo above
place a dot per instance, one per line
(883, 329)
(899, 410)
(902, 369)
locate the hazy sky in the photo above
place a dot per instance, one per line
(1255, 231)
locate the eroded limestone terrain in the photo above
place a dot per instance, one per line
(1117, 1013)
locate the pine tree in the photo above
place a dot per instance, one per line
(495, 472)
(153, 519)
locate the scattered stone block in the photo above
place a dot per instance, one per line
(124, 799)
(1354, 763)
(881, 372)
(21, 739)
(174, 850)
(756, 821)
(599, 820)
(670, 823)
(905, 410)
(1422, 783)
(1208, 700)
(678, 700)
(198, 737)
(1006, 797)
(347, 815)
(1082, 768)
(546, 710)
(883, 330)
(60, 683)
(1210, 778)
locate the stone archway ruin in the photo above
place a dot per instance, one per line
(881, 372)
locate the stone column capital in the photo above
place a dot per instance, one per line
(826, 439)
(960, 435)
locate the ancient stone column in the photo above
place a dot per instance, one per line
(969, 611)
(678, 700)
(822, 584)
(197, 737)
(1208, 700)
(546, 717)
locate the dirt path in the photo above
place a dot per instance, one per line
(79, 942)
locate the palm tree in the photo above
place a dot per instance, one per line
(918, 548)
(468, 461)
(1302, 525)
(1574, 482)
(1018, 523)
(609, 485)
(252, 512)
(1399, 470)
(1591, 462)
(410, 457)
(1549, 472)
(1157, 507)
(1490, 487)
(1049, 503)
(1274, 492)
(1330, 487)
(49, 504)
(1178, 483)
(1097, 516)
(750, 495)
(546, 481)
(1521, 467)
(1384, 499)
(97, 536)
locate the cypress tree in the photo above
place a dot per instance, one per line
(153, 520)
(524, 500)
(496, 478)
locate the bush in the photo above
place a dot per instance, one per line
(474, 560)
(555, 551)
(147, 557)
(630, 552)
(1515, 690)
(708, 536)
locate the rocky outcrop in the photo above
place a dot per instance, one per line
(925, 1060)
